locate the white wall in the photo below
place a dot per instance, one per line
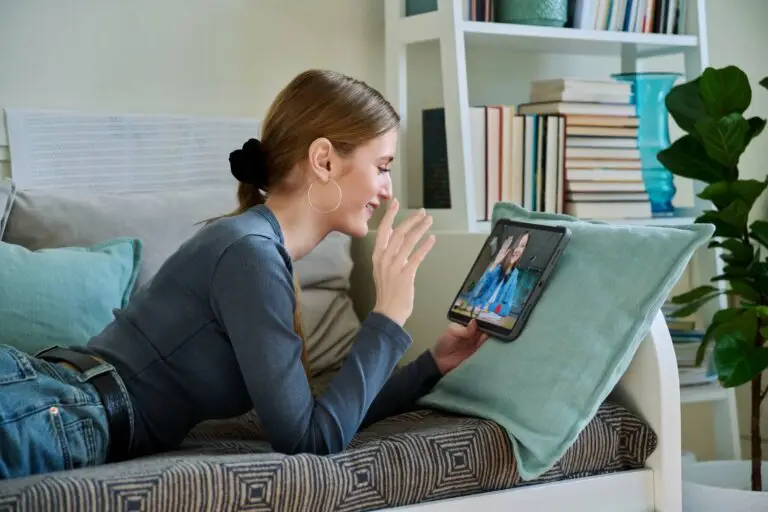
(229, 57)
(201, 57)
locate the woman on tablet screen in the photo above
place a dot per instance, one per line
(504, 297)
(488, 282)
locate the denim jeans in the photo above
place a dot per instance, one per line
(51, 417)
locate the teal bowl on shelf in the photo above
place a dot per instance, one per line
(545, 13)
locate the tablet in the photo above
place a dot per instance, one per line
(508, 277)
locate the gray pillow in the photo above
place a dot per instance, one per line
(7, 193)
(45, 219)
(163, 221)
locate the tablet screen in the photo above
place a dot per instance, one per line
(510, 266)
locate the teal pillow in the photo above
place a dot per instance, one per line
(63, 296)
(546, 386)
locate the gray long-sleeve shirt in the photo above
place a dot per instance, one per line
(211, 336)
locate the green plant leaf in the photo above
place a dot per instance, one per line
(741, 253)
(759, 231)
(685, 105)
(731, 272)
(723, 277)
(745, 289)
(756, 125)
(720, 317)
(686, 157)
(723, 193)
(757, 269)
(761, 310)
(764, 82)
(764, 333)
(725, 90)
(693, 306)
(724, 139)
(730, 222)
(737, 359)
(694, 294)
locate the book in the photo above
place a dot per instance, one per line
(602, 121)
(436, 181)
(608, 210)
(577, 108)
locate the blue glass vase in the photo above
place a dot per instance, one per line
(649, 91)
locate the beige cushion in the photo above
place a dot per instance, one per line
(163, 221)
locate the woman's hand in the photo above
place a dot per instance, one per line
(395, 261)
(456, 344)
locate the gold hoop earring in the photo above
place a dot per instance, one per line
(338, 203)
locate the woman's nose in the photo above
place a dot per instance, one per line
(386, 190)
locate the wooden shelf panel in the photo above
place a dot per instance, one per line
(704, 393)
(572, 41)
(530, 38)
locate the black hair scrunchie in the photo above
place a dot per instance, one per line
(249, 164)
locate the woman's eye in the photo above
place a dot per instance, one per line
(382, 170)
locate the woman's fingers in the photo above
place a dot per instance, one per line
(411, 238)
(384, 231)
(399, 233)
(459, 330)
(419, 254)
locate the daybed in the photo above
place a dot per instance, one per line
(626, 459)
(424, 460)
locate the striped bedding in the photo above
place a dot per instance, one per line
(415, 457)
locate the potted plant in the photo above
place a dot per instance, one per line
(711, 111)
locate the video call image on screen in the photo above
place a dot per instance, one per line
(505, 275)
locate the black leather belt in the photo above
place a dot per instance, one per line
(115, 403)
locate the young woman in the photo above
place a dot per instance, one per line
(217, 333)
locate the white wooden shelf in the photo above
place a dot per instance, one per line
(455, 35)
(704, 393)
(529, 38)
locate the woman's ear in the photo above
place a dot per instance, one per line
(320, 156)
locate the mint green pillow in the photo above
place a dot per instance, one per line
(63, 296)
(546, 386)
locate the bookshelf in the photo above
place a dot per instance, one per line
(454, 35)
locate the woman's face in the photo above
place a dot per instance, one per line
(364, 180)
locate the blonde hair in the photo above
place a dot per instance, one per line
(508, 264)
(316, 103)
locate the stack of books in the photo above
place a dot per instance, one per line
(686, 340)
(571, 149)
(516, 158)
(646, 16)
(603, 172)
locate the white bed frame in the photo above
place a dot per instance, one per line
(650, 387)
